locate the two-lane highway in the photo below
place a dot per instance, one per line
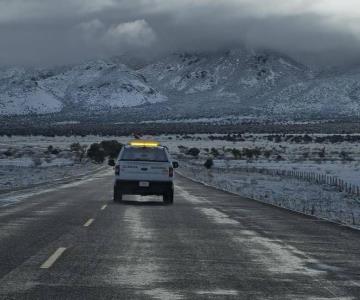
(75, 243)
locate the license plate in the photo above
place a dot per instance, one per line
(144, 183)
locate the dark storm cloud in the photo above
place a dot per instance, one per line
(42, 32)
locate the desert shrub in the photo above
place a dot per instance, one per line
(297, 139)
(289, 137)
(209, 163)
(345, 156)
(214, 152)
(307, 138)
(193, 152)
(75, 147)
(79, 150)
(8, 153)
(256, 151)
(111, 162)
(111, 148)
(55, 151)
(249, 153)
(230, 138)
(236, 153)
(50, 148)
(96, 153)
(267, 154)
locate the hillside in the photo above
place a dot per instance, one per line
(94, 86)
(238, 83)
(263, 84)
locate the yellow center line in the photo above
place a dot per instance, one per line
(103, 207)
(53, 258)
(88, 223)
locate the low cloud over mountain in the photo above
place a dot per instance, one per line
(48, 32)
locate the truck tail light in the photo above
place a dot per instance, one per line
(117, 170)
(171, 172)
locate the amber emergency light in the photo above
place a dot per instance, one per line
(144, 143)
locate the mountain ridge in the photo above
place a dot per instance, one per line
(186, 85)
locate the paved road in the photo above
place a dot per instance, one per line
(75, 243)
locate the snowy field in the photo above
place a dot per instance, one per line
(338, 159)
(336, 156)
(29, 162)
(312, 199)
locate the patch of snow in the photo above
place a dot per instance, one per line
(218, 217)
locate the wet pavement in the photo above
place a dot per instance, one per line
(76, 243)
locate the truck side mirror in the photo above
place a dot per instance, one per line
(175, 164)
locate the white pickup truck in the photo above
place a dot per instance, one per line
(144, 168)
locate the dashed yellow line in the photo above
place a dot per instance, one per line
(88, 222)
(53, 258)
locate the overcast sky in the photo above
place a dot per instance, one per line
(43, 32)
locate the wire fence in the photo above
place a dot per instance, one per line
(312, 177)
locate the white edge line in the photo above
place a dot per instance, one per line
(88, 223)
(103, 207)
(53, 258)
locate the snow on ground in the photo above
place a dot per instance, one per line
(29, 162)
(348, 171)
(15, 178)
(311, 199)
(325, 158)
(339, 159)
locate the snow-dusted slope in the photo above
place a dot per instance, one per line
(20, 94)
(255, 83)
(227, 74)
(101, 85)
(327, 95)
(97, 85)
(239, 82)
(225, 81)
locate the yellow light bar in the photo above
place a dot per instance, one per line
(143, 143)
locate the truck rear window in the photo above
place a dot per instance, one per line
(144, 154)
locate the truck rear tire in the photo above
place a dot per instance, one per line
(168, 198)
(117, 195)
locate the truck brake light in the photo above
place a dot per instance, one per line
(171, 172)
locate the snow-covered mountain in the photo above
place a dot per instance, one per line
(238, 82)
(255, 83)
(94, 86)
(20, 93)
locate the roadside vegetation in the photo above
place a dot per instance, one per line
(98, 152)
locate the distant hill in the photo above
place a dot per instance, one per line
(94, 86)
(239, 82)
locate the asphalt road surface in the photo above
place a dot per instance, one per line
(75, 243)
